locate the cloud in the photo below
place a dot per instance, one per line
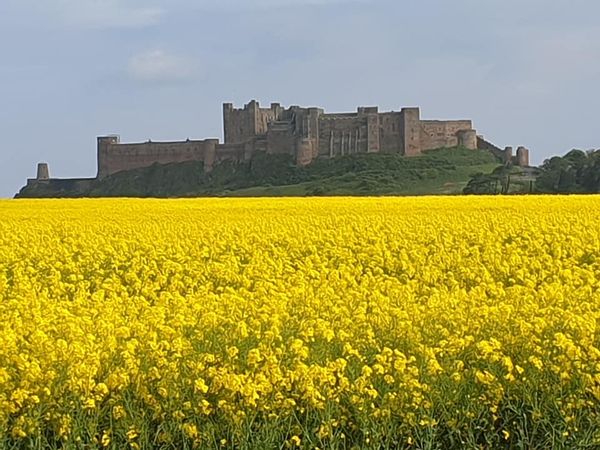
(246, 5)
(105, 13)
(158, 66)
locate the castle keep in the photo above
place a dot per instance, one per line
(303, 133)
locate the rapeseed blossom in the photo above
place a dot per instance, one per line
(300, 323)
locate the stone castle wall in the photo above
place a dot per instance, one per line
(114, 156)
(438, 133)
(507, 155)
(342, 135)
(303, 133)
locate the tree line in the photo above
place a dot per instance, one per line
(577, 172)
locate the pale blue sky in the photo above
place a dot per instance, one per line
(526, 71)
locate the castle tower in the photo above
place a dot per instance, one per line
(228, 112)
(411, 130)
(104, 144)
(467, 139)
(508, 154)
(371, 116)
(522, 157)
(43, 173)
(241, 125)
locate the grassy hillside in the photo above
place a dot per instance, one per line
(442, 171)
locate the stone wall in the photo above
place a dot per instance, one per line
(342, 134)
(521, 159)
(231, 152)
(305, 150)
(483, 144)
(280, 138)
(115, 157)
(411, 131)
(240, 125)
(62, 184)
(390, 132)
(443, 133)
(266, 115)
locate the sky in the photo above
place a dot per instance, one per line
(526, 72)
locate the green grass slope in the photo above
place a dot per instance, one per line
(442, 171)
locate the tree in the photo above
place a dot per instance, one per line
(576, 172)
(481, 183)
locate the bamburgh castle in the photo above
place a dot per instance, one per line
(303, 133)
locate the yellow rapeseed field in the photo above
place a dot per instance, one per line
(300, 323)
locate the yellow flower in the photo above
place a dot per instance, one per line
(132, 434)
(254, 356)
(237, 313)
(201, 386)
(190, 430)
(118, 412)
(105, 441)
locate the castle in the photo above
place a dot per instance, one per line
(303, 133)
